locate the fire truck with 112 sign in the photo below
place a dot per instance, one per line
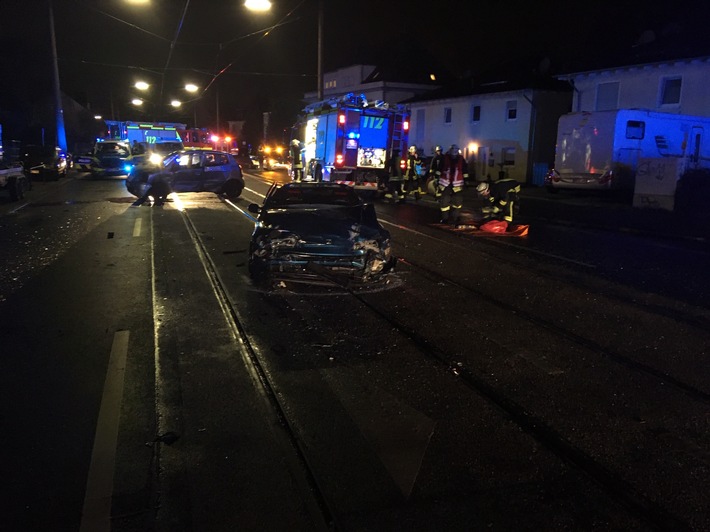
(350, 140)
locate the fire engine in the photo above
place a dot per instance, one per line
(202, 137)
(350, 140)
(142, 132)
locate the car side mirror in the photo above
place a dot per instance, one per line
(254, 208)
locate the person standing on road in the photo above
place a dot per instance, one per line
(395, 191)
(435, 168)
(501, 197)
(296, 161)
(411, 173)
(451, 185)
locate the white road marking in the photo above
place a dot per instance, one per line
(96, 515)
(137, 227)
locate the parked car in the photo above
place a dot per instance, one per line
(44, 162)
(194, 170)
(110, 158)
(316, 231)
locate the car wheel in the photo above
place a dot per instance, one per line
(232, 189)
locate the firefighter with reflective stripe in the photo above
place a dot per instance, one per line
(296, 161)
(411, 173)
(435, 168)
(451, 183)
(395, 184)
(501, 196)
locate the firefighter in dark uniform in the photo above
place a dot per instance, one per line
(451, 185)
(395, 190)
(411, 173)
(435, 168)
(296, 161)
(501, 197)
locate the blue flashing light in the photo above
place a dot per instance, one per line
(128, 168)
(353, 135)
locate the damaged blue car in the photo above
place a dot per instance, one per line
(318, 232)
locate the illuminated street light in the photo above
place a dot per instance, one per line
(141, 86)
(191, 87)
(137, 101)
(257, 5)
(176, 103)
(265, 5)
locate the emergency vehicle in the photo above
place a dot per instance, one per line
(202, 137)
(143, 132)
(350, 140)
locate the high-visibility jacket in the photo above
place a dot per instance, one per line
(454, 172)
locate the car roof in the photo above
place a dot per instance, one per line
(313, 193)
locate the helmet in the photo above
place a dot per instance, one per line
(295, 142)
(412, 149)
(438, 148)
(482, 188)
(454, 149)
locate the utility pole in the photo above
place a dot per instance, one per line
(61, 132)
(320, 50)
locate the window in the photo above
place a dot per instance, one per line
(511, 110)
(635, 129)
(475, 113)
(670, 91)
(447, 115)
(607, 96)
(508, 156)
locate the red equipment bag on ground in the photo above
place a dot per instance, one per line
(495, 226)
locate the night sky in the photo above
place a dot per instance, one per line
(104, 46)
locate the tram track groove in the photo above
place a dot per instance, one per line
(310, 486)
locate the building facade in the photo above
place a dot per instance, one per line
(677, 86)
(502, 130)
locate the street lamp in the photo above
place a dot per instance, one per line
(265, 5)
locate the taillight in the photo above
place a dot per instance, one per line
(405, 125)
(403, 164)
(341, 119)
(339, 159)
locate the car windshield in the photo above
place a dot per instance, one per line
(108, 148)
(287, 196)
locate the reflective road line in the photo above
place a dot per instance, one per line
(137, 227)
(96, 515)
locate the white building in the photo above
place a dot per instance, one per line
(372, 82)
(504, 129)
(678, 86)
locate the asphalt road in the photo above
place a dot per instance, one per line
(557, 381)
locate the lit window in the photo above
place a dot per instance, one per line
(670, 91)
(511, 110)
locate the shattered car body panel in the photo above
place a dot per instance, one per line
(318, 230)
